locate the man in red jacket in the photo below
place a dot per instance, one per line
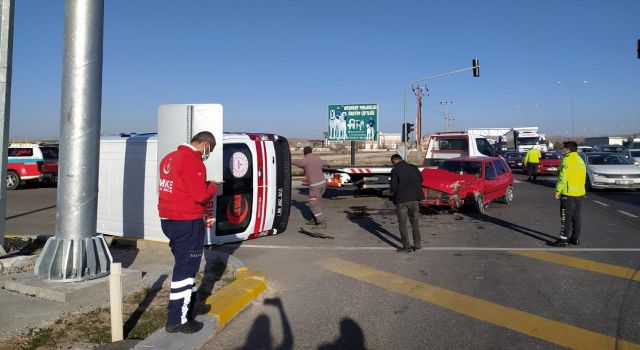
(183, 195)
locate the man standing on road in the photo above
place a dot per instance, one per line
(183, 196)
(406, 191)
(312, 165)
(531, 162)
(570, 191)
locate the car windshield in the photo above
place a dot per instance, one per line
(550, 155)
(513, 155)
(612, 149)
(452, 144)
(605, 159)
(462, 167)
(528, 141)
(49, 152)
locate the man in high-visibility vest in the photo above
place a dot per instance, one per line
(531, 162)
(570, 191)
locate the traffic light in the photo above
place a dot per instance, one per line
(404, 136)
(476, 67)
(409, 129)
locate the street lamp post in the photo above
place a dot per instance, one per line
(571, 100)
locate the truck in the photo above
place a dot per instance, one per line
(255, 168)
(523, 139)
(441, 146)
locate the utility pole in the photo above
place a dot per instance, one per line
(447, 120)
(419, 91)
(6, 50)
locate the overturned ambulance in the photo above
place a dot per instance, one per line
(253, 201)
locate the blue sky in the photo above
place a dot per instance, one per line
(277, 65)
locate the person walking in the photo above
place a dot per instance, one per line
(312, 165)
(570, 191)
(183, 193)
(531, 162)
(406, 192)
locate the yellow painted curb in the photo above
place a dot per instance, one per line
(230, 300)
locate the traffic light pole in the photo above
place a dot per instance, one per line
(475, 66)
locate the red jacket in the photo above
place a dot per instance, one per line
(183, 188)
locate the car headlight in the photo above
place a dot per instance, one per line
(597, 175)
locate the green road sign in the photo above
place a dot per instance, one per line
(358, 122)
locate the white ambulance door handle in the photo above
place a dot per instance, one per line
(273, 160)
(259, 173)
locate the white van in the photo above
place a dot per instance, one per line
(255, 199)
(447, 145)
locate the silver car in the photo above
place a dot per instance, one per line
(632, 155)
(609, 170)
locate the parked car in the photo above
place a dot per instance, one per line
(632, 155)
(468, 181)
(608, 170)
(549, 163)
(514, 159)
(585, 149)
(29, 162)
(608, 148)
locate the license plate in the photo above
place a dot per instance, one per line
(624, 182)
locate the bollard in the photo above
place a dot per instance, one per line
(115, 299)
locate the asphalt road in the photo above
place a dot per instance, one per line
(482, 282)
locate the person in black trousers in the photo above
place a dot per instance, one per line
(406, 189)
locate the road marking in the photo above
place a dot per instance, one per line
(563, 334)
(453, 249)
(627, 213)
(601, 203)
(589, 265)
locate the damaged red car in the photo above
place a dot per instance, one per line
(469, 182)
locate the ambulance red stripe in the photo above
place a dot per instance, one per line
(260, 162)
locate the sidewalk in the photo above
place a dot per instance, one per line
(150, 264)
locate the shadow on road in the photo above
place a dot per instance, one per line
(515, 227)
(359, 215)
(351, 337)
(260, 334)
(29, 212)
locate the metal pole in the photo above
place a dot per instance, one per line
(353, 153)
(75, 252)
(572, 118)
(6, 53)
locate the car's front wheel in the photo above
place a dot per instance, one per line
(476, 203)
(13, 180)
(508, 196)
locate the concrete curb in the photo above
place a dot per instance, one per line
(225, 304)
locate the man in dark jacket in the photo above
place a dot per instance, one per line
(406, 189)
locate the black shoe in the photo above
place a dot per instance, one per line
(199, 309)
(560, 243)
(574, 241)
(404, 250)
(191, 326)
(417, 248)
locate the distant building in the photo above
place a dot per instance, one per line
(389, 140)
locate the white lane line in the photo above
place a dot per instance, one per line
(256, 246)
(627, 213)
(601, 203)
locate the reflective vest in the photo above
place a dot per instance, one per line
(533, 156)
(572, 175)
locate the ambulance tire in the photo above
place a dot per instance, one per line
(13, 180)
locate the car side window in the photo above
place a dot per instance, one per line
(499, 167)
(489, 172)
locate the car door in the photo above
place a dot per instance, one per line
(492, 182)
(503, 175)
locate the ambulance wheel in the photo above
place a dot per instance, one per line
(13, 180)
